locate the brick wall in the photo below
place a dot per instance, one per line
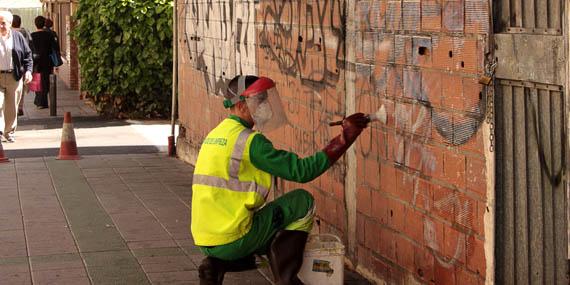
(420, 185)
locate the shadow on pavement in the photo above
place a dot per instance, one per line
(103, 150)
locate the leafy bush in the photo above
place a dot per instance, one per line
(125, 53)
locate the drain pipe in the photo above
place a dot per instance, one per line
(174, 108)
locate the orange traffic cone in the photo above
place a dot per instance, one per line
(68, 148)
(2, 157)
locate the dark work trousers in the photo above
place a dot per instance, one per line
(41, 99)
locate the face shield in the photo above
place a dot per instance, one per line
(264, 104)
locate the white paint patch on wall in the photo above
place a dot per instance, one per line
(221, 39)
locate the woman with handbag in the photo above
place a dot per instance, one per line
(43, 46)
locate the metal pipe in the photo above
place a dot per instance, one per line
(171, 139)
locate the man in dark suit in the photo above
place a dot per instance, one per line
(15, 70)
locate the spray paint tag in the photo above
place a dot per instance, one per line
(322, 266)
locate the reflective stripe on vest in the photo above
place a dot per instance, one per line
(233, 183)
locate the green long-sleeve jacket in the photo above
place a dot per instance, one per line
(282, 163)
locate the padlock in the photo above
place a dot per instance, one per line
(485, 80)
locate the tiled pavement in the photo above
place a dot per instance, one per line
(116, 219)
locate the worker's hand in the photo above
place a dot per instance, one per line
(353, 125)
(27, 77)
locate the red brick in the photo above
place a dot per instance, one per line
(433, 163)
(378, 14)
(477, 16)
(378, 148)
(411, 15)
(390, 112)
(476, 179)
(394, 15)
(388, 178)
(414, 227)
(338, 189)
(382, 268)
(463, 276)
(443, 53)
(360, 169)
(432, 87)
(372, 235)
(387, 244)
(396, 215)
(423, 196)
(479, 219)
(475, 144)
(330, 211)
(372, 174)
(453, 16)
(405, 187)
(454, 169)
(395, 85)
(431, 15)
(364, 255)
(380, 207)
(452, 91)
(412, 83)
(363, 200)
(454, 244)
(466, 211)
(424, 264)
(444, 202)
(360, 226)
(404, 253)
(472, 93)
(466, 54)
(385, 48)
(476, 255)
(342, 217)
(403, 49)
(444, 274)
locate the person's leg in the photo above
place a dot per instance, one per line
(13, 93)
(292, 211)
(3, 80)
(25, 91)
(288, 209)
(45, 88)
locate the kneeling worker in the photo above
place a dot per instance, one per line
(236, 169)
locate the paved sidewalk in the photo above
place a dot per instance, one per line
(107, 219)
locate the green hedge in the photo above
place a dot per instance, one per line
(125, 52)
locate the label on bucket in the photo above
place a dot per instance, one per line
(322, 266)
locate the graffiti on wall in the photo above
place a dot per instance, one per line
(305, 39)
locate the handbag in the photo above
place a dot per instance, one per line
(55, 59)
(36, 84)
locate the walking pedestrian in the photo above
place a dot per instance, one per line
(15, 70)
(17, 26)
(43, 42)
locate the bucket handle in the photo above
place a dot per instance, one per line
(335, 237)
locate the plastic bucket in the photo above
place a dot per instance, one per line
(323, 262)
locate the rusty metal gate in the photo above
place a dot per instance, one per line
(531, 205)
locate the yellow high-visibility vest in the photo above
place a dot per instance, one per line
(227, 188)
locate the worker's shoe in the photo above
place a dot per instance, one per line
(212, 270)
(286, 256)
